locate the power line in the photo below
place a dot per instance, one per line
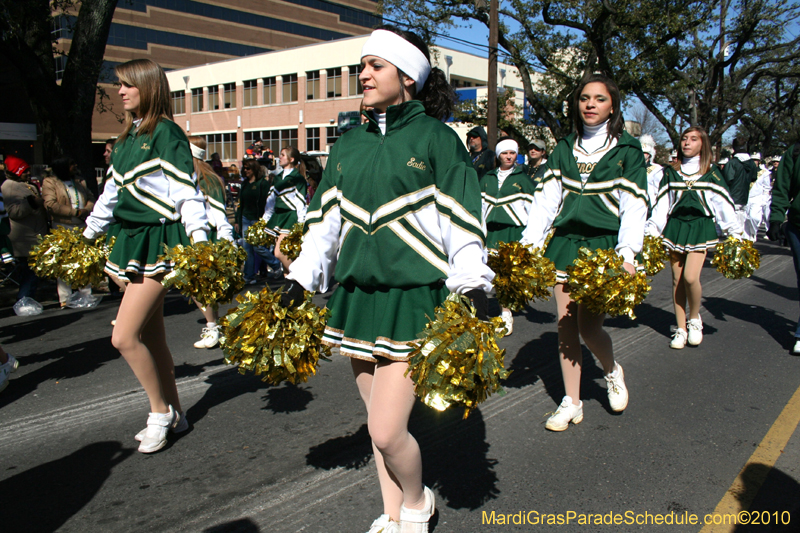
(442, 35)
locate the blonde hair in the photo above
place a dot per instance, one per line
(705, 150)
(154, 103)
(208, 180)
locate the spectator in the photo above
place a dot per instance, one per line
(68, 202)
(483, 159)
(739, 174)
(28, 216)
(252, 201)
(216, 163)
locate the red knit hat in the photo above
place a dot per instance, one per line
(16, 165)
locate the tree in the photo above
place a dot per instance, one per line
(774, 121)
(63, 110)
(671, 54)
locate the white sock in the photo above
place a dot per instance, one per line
(211, 324)
(615, 373)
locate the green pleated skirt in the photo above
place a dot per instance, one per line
(563, 249)
(138, 247)
(282, 221)
(368, 323)
(497, 233)
(690, 233)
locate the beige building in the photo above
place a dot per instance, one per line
(295, 96)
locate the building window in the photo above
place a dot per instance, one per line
(334, 82)
(289, 88)
(250, 91)
(312, 85)
(223, 144)
(333, 135)
(178, 102)
(197, 100)
(270, 91)
(229, 95)
(275, 140)
(213, 97)
(61, 64)
(355, 85)
(213, 145)
(312, 139)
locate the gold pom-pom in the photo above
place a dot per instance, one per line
(259, 234)
(736, 258)
(598, 280)
(522, 274)
(457, 360)
(276, 343)
(292, 243)
(64, 255)
(654, 255)
(209, 272)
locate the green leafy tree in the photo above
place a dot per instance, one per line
(64, 108)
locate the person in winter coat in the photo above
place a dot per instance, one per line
(739, 174)
(483, 159)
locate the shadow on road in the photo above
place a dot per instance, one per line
(46, 496)
(38, 326)
(67, 362)
(775, 325)
(242, 525)
(777, 503)
(790, 293)
(352, 451)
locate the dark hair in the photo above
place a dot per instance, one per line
(253, 165)
(437, 95)
(616, 123)
(112, 142)
(61, 166)
(739, 145)
(293, 153)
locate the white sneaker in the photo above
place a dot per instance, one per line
(617, 391)
(6, 369)
(209, 338)
(695, 327)
(678, 339)
(567, 412)
(795, 349)
(384, 524)
(181, 425)
(416, 520)
(155, 436)
(508, 321)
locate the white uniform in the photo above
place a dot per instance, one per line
(757, 210)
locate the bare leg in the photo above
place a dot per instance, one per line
(389, 397)
(143, 298)
(677, 262)
(596, 338)
(154, 338)
(569, 344)
(691, 280)
(210, 312)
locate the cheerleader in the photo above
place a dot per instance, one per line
(654, 171)
(213, 189)
(398, 217)
(693, 195)
(154, 196)
(507, 194)
(594, 195)
(286, 203)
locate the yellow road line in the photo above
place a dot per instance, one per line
(741, 494)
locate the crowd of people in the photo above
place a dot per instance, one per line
(402, 217)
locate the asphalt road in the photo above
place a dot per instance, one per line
(261, 458)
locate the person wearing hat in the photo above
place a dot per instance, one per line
(739, 174)
(507, 194)
(397, 220)
(28, 218)
(537, 160)
(654, 170)
(758, 200)
(483, 159)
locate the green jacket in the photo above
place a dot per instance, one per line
(739, 176)
(511, 204)
(252, 199)
(786, 190)
(398, 210)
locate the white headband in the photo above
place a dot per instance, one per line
(197, 152)
(400, 53)
(508, 145)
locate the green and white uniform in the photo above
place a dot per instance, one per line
(217, 215)
(507, 199)
(286, 203)
(687, 205)
(594, 195)
(398, 211)
(154, 196)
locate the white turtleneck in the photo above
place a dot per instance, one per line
(502, 175)
(690, 166)
(287, 171)
(594, 137)
(380, 118)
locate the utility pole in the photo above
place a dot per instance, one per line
(492, 96)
